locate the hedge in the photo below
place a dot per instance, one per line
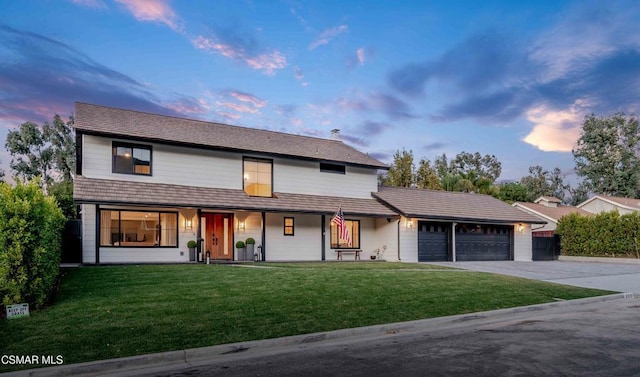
(607, 234)
(31, 226)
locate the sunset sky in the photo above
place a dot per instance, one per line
(509, 78)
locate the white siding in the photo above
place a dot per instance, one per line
(386, 234)
(204, 168)
(369, 240)
(522, 244)
(88, 214)
(305, 177)
(304, 245)
(252, 228)
(598, 206)
(408, 240)
(171, 165)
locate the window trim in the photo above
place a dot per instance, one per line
(116, 144)
(158, 246)
(345, 247)
(292, 226)
(327, 167)
(255, 159)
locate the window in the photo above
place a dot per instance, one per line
(258, 177)
(332, 168)
(288, 226)
(138, 229)
(353, 226)
(131, 159)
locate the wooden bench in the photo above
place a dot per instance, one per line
(357, 252)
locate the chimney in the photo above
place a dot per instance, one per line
(335, 134)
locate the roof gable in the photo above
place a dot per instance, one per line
(627, 203)
(449, 205)
(550, 213)
(108, 121)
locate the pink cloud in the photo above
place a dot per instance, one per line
(326, 36)
(239, 107)
(228, 116)
(269, 62)
(361, 55)
(153, 11)
(555, 130)
(244, 97)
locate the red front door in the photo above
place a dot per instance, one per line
(217, 236)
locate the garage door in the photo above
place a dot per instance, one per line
(483, 242)
(433, 241)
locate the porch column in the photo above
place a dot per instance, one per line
(323, 237)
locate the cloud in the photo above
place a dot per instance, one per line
(327, 35)
(238, 107)
(388, 104)
(186, 105)
(361, 55)
(241, 48)
(555, 131)
(245, 97)
(96, 4)
(591, 53)
(153, 11)
(434, 146)
(41, 76)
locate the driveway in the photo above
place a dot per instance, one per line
(608, 276)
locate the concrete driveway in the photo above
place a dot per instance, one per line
(615, 277)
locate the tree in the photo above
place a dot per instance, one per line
(401, 171)
(468, 172)
(606, 155)
(541, 182)
(46, 151)
(1, 174)
(511, 192)
(426, 176)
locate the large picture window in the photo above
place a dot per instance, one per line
(138, 229)
(258, 177)
(131, 159)
(353, 226)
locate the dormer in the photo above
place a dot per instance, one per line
(548, 201)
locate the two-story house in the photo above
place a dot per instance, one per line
(147, 184)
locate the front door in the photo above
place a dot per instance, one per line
(217, 234)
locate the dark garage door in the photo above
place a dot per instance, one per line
(483, 242)
(433, 241)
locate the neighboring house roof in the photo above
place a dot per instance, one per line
(549, 199)
(552, 214)
(628, 203)
(113, 122)
(447, 205)
(107, 191)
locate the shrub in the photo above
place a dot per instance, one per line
(251, 241)
(192, 244)
(607, 234)
(31, 226)
(240, 245)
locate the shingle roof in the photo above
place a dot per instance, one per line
(554, 213)
(448, 205)
(107, 191)
(160, 128)
(625, 202)
(550, 199)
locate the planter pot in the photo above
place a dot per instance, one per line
(249, 255)
(192, 254)
(240, 253)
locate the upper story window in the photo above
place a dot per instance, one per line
(131, 159)
(332, 168)
(258, 177)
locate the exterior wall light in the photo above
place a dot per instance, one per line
(188, 223)
(521, 228)
(241, 226)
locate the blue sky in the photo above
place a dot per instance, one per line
(509, 78)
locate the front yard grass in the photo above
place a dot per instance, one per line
(116, 311)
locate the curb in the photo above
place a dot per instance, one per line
(569, 258)
(195, 355)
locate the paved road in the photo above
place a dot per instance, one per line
(598, 338)
(608, 276)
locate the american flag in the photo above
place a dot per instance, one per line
(343, 232)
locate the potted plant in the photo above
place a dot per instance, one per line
(240, 250)
(250, 244)
(191, 245)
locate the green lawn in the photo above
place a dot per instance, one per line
(116, 311)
